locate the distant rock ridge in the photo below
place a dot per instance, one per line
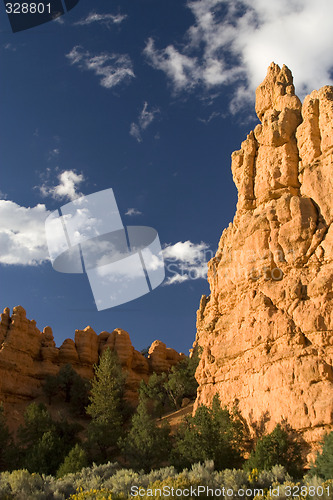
(27, 356)
(266, 328)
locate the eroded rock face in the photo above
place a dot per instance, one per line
(266, 328)
(27, 356)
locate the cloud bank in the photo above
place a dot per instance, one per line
(22, 234)
(234, 42)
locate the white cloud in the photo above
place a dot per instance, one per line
(9, 46)
(69, 181)
(22, 234)
(179, 68)
(133, 211)
(111, 68)
(145, 118)
(186, 261)
(53, 153)
(234, 43)
(211, 117)
(59, 20)
(107, 19)
(135, 132)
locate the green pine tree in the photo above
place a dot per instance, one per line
(37, 421)
(105, 403)
(211, 434)
(323, 465)
(147, 445)
(44, 442)
(74, 461)
(155, 392)
(280, 447)
(181, 381)
(6, 442)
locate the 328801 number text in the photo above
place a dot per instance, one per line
(28, 8)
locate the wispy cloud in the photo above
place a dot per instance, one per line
(22, 234)
(234, 42)
(186, 261)
(135, 131)
(133, 211)
(106, 19)
(145, 118)
(211, 117)
(9, 46)
(112, 69)
(53, 154)
(67, 187)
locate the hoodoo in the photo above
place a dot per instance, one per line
(28, 355)
(266, 329)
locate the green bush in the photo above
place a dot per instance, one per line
(181, 381)
(74, 388)
(44, 443)
(211, 434)
(280, 447)
(75, 461)
(6, 442)
(108, 481)
(323, 465)
(146, 445)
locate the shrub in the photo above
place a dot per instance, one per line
(44, 442)
(280, 447)
(146, 445)
(181, 381)
(323, 465)
(75, 461)
(6, 442)
(211, 434)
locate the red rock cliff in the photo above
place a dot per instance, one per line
(266, 328)
(28, 355)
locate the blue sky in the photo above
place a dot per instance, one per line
(149, 98)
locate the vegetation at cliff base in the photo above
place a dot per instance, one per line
(323, 465)
(53, 458)
(281, 447)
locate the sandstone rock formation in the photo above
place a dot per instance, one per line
(27, 356)
(266, 328)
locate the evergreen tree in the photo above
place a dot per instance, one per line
(51, 387)
(45, 455)
(66, 378)
(146, 446)
(5, 442)
(280, 447)
(79, 395)
(74, 461)
(323, 465)
(167, 390)
(211, 434)
(181, 381)
(74, 388)
(37, 421)
(105, 403)
(44, 442)
(155, 392)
